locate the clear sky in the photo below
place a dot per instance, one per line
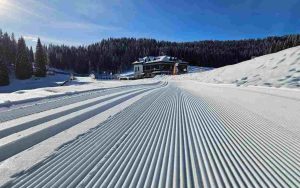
(76, 22)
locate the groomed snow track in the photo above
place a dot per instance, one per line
(32, 107)
(29, 125)
(170, 138)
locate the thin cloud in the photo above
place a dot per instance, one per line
(30, 11)
(33, 13)
(81, 26)
(47, 40)
(20, 9)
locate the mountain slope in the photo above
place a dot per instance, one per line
(281, 69)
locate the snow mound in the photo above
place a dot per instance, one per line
(10, 95)
(281, 69)
(33, 83)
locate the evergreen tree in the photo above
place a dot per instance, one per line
(4, 78)
(13, 50)
(40, 60)
(31, 55)
(115, 55)
(23, 66)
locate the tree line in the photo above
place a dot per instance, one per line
(116, 55)
(16, 58)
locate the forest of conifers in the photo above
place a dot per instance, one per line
(116, 55)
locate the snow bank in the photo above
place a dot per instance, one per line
(33, 83)
(281, 69)
(81, 84)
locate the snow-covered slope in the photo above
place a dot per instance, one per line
(281, 69)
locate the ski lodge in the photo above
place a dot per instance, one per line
(150, 66)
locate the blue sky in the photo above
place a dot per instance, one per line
(75, 22)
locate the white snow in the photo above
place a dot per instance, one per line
(200, 129)
(28, 158)
(31, 90)
(33, 83)
(194, 69)
(278, 105)
(281, 69)
(187, 134)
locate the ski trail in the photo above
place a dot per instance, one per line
(171, 138)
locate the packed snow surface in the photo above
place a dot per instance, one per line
(281, 69)
(180, 134)
(30, 133)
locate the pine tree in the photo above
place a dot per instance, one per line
(40, 60)
(23, 66)
(31, 55)
(13, 50)
(118, 54)
(4, 78)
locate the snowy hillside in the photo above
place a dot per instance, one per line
(281, 69)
